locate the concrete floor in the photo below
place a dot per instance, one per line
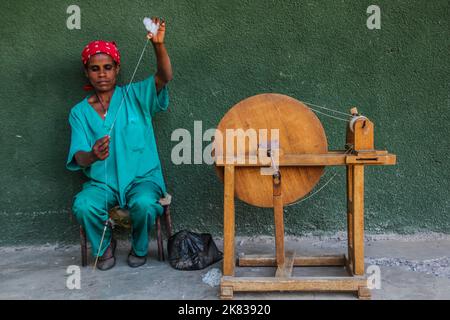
(412, 267)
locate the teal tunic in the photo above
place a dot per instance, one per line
(133, 153)
(131, 176)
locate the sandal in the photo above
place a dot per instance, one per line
(134, 260)
(109, 262)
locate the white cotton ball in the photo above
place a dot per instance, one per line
(151, 26)
(212, 277)
(148, 23)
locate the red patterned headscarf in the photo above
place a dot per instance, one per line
(100, 46)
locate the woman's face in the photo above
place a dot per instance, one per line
(102, 72)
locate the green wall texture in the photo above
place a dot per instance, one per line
(222, 52)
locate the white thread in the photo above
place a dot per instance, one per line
(106, 183)
(328, 115)
(332, 110)
(353, 120)
(128, 87)
(317, 191)
(105, 161)
(347, 151)
(101, 242)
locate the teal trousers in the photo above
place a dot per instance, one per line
(91, 206)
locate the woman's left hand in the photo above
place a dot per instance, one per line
(159, 37)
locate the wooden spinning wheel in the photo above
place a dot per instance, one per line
(280, 167)
(299, 132)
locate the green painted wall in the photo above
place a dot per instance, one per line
(223, 52)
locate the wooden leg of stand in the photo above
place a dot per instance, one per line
(228, 223)
(226, 292)
(364, 293)
(350, 218)
(358, 219)
(279, 224)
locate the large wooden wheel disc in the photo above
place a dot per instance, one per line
(300, 132)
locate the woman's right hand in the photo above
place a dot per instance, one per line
(100, 150)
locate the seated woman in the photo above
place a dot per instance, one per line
(113, 142)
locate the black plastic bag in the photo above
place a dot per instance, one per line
(192, 251)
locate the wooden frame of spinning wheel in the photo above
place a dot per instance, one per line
(360, 141)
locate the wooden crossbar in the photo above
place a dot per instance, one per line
(229, 285)
(268, 260)
(337, 158)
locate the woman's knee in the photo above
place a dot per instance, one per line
(82, 207)
(142, 206)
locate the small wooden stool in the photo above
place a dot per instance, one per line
(119, 217)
